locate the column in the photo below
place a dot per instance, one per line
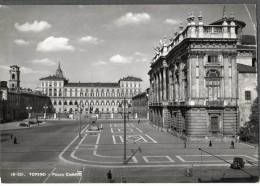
(170, 84)
(164, 83)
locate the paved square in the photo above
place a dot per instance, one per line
(119, 139)
(158, 159)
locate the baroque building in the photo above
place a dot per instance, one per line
(95, 97)
(14, 99)
(194, 79)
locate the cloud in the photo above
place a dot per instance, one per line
(44, 61)
(90, 40)
(4, 67)
(132, 18)
(99, 63)
(21, 42)
(54, 44)
(3, 6)
(27, 70)
(170, 21)
(119, 59)
(32, 27)
(136, 57)
(140, 57)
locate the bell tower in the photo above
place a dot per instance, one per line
(14, 82)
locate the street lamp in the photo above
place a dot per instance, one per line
(45, 107)
(124, 109)
(29, 109)
(80, 109)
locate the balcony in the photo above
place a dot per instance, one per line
(215, 103)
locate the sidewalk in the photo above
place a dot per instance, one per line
(16, 125)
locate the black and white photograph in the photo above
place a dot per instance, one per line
(129, 93)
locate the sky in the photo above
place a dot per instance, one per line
(95, 43)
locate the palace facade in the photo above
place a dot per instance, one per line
(194, 79)
(94, 97)
(14, 99)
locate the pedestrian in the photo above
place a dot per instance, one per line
(15, 140)
(210, 143)
(185, 142)
(109, 176)
(232, 145)
(139, 121)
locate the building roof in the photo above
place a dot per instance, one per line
(98, 84)
(241, 68)
(220, 22)
(130, 78)
(53, 77)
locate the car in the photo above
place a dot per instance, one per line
(238, 163)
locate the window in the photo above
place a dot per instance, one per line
(213, 84)
(70, 103)
(253, 62)
(247, 95)
(13, 76)
(59, 102)
(54, 103)
(212, 59)
(65, 103)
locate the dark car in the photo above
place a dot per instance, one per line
(238, 163)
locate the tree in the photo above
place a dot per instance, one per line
(253, 124)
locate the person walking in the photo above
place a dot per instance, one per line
(232, 145)
(210, 143)
(138, 121)
(109, 176)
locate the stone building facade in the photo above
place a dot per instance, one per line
(140, 105)
(95, 97)
(14, 99)
(194, 79)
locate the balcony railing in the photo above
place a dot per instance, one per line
(215, 103)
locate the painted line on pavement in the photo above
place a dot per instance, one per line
(112, 131)
(139, 129)
(98, 138)
(46, 179)
(114, 140)
(68, 146)
(255, 155)
(180, 158)
(169, 160)
(151, 138)
(81, 175)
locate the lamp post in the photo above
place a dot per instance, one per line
(29, 109)
(45, 107)
(124, 108)
(80, 108)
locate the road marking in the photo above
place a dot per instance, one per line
(46, 179)
(151, 138)
(81, 175)
(98, 138)
(146, 159)
(112, 131)
(139, 130)
(221, 155)
(68, 146)
(180, 158)
(255, 155)
(114, 140)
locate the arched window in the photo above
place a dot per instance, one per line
(70, 103)
(75, 103)
(60, 103)
(54, 103)
(213, 84)
(65, 103)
